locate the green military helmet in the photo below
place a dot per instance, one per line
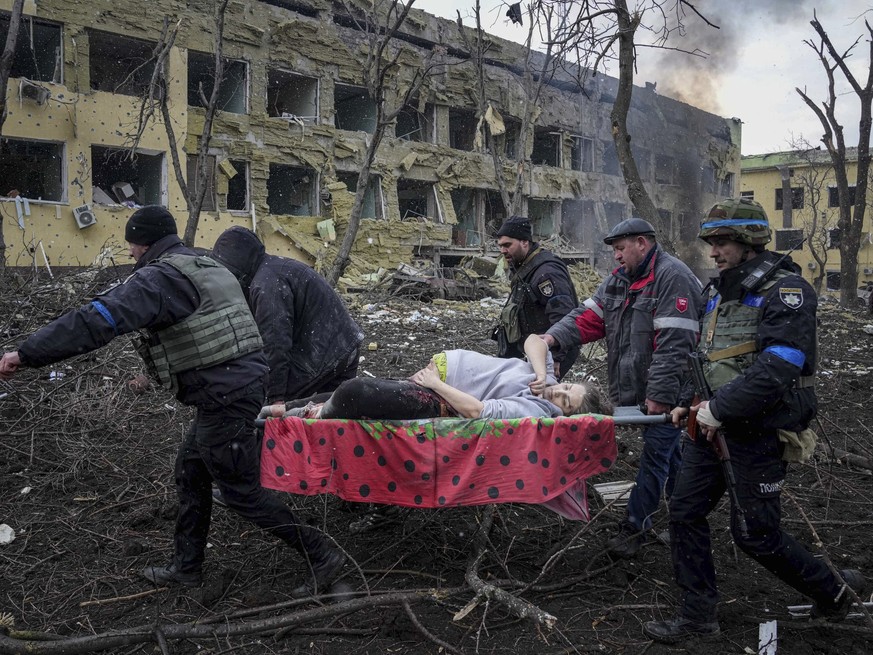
(738, 219)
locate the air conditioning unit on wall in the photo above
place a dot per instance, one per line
(31, 91)
(84, 216)
(868, 271)
(811, 266)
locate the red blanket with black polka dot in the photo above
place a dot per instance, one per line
(441, 462)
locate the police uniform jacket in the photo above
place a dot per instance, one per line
(544, 292)
(650, 323)
(154, 297)
(306, 328)
(774, 389)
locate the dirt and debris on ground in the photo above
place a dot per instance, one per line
(86, 485)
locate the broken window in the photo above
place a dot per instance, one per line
(796, 198)
(32, 170)
(415, 125)
(544, 216)
(833, 280)
(747, 195)
(292, 190)
(417, 200)
(193, 181)
(546, 147)
(372, 207)
(707, 179)
(577, 221)
(665, 169)
(610, 159)
(118, 178)
(290, 95)
(512, 146)
(466, 232)
(462, 129)
(201, 74)
(789, 239)
(354, 109)
(834, 196)
(582, 154)
(495, 213)
(835, 236)
(120, 64)
(38, 54)
(234, 175)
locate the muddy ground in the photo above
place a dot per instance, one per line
(86, 483)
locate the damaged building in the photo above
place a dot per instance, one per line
(293, 125)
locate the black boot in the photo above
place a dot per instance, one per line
(627, 542)
(323, 568)
(839, 610)
(164, 575)
(678, 629)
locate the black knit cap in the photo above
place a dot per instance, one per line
(516, 227)
(149, 224)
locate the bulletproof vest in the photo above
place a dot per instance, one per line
(730, 343)
(522, 314)
(222, 327)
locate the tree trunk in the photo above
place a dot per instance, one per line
(636, 191)
(6, 60)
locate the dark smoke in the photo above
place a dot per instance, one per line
(695, 79)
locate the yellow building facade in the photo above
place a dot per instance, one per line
(813, 210)
(294, 122)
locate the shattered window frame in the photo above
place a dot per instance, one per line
(545, 216)
(206, 62)
(468, 229)
(245, 180)
(273, 200)
(343, 118)
(272, 98)
(747, 195)
(35, 32)
(789, 239)
(834, 196)
(726, 185)
(493, 212)
(433, 212)
(582, 153)
(797, 198)
(425, 122)
(58, 171)
(131, 81)
(372, 198)
(462, 129)
(147, 189)
(547, 147)
(511, 139)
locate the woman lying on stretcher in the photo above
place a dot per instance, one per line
(460, 383)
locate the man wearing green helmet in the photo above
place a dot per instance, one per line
(758, 343)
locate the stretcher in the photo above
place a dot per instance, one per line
(445, 462)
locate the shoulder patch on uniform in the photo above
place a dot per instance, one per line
(682, 304)
(791, 297)
(546, 287)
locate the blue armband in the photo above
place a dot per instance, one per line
(101, 309)
(790, 355)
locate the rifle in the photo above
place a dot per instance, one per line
(701, 387)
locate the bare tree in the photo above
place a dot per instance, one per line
(813, 172)
(6, 60)
(534, 76)
(380, 23)
(851, 215)
(593, 32)
(156, 101)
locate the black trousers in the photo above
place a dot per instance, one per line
(377, 398)
(221, 446)
(759, 472)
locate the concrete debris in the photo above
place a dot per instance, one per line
(7, 534)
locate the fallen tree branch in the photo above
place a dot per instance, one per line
(146, 634)
(428, 635)
(521, 608)
(117, 599)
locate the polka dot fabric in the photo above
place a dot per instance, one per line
(440, 462)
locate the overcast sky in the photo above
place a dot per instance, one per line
(756, 59)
